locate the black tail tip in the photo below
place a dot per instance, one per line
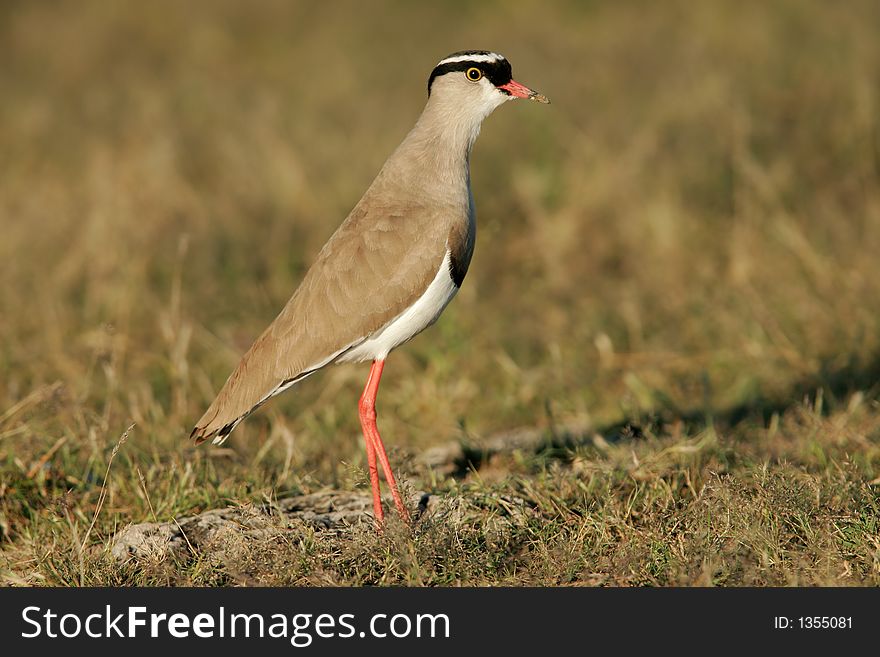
(197, 436)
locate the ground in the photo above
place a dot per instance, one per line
(674, 292)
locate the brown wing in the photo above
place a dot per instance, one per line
(377, 264)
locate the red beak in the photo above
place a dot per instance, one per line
(518, 90)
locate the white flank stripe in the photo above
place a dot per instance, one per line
(410, 322)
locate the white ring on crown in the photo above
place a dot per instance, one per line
(487, 58)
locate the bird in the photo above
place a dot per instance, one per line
(390, 268)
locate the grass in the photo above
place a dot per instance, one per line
(683, 243)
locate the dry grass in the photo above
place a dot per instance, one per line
(686, 240)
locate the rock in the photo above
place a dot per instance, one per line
(322, 511)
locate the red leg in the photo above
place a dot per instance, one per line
(367, 412)
(374, 475)
(364, 413)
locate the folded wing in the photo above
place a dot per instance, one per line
(380, 260)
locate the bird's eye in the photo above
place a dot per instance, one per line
(474, 74)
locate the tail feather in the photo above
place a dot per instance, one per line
(246, 389)
(216, 432)
(250, 386)
(217, 436)
(216, 425)
(202, 434)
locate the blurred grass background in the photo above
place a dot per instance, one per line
(690, 231)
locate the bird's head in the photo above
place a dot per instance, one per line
(478, 81)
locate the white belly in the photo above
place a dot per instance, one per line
(410, 322)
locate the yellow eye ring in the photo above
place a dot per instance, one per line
(474, 74)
